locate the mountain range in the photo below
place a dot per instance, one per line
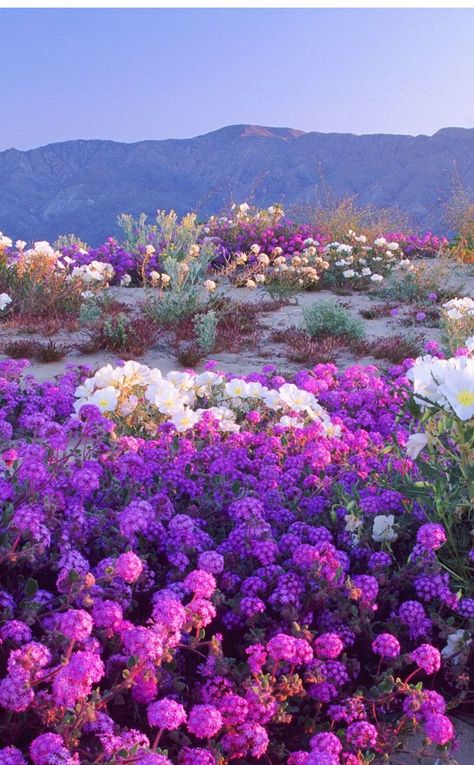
(81, 186)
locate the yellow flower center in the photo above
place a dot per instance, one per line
(465, 397)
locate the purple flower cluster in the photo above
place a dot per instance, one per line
(200, 593)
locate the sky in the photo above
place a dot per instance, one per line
(129, 75)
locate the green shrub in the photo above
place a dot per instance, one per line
(205, 326)
(324, 319)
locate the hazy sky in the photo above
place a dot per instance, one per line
(129, 75)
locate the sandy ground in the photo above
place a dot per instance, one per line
(246, 362)
(463, 756)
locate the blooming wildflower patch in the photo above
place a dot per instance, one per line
(210, 569)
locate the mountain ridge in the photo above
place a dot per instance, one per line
(80, 186)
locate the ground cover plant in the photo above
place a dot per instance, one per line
(194, 566)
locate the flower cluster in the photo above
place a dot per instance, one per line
(139, 397)
(220, 595)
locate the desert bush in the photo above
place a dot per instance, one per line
(394, 348)
(337, 216)
(422, 282)
(304, 349)
(35, 349)
(120, 333)
(328, 319)
(205, 328)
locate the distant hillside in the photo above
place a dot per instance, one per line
(81, 186)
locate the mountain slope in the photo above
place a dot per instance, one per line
(80, 186)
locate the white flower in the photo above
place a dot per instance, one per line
(362, 238)
(382, 530)
(455, 645)
(125, 280)
(5, 241)
(415, 443)
(255, 248)
(250, 284)
(87, 294)
(260, 278)
(244, 207)
(380, 242)
(263, 259)
(458, 390)
(376, 278)
(352, 523)
(44, 248)
(184, 419)
(366, 272)
(459, 307)
(4, 300)
(237, 388)
(295, 398)
(165, 396)
(105, 399)
(19, 244)
(210, 285)
(149, 249)
(341, 262)
(392, 246)
(348, 274)
(290, 422)
(344, 249)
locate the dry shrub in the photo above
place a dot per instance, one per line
(378, 311)
(32, 349)
(303, 349)
(120, 334)
(395, 349)
(460, 218)
(336, 216)
(188, 354)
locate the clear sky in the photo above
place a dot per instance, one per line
(129, 75)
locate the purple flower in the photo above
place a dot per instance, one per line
(204, 721)
(438, 729)
(361, 735)
(166, 714)
(386, 645)
(427, 657)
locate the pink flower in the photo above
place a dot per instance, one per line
(128, 567)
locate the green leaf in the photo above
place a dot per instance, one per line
(31, 587)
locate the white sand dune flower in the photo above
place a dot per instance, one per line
(185, 419)
(105, 399)
(415, 443)
(382, 529)
(458, 390)
(5, 300)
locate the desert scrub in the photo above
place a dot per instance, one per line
(182, 287)
(326, 319)
(205, 326)
(420, 283)
(127, 335)
(34, 349)
(301, 348)
(395, 349)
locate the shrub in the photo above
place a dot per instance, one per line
(395, 348)
(325, 319)
(205, 326)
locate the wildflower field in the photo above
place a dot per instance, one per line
(202, 563)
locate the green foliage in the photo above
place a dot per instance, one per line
(324, 319)
(69, 240)
(205, 326)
